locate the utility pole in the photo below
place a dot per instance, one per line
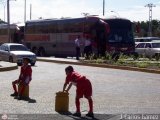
(103, 7)
(8, 21)
(30, 11)
(24, 11)
(150, 18)
(4, 12)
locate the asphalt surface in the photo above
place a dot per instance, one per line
(114, 92)
(6, 64)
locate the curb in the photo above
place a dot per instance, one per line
(3, 69)
(103, 66)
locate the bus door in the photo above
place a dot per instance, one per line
(16, 37)
(67, 44)
(58, 39)
(53, 49)
(101, 37)
(52, 46)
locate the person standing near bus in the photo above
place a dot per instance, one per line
(77, 44)
(84, 88)
(88, 46)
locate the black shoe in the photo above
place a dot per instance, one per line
(14, 94)
(90, 114)
(77, 114)
(16, 97)
(19, 97)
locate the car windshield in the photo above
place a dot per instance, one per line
(156, 45)
(18, 48)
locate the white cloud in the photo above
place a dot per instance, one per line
(139, 13)
(70, 8)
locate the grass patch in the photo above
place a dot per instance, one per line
(142, 64)
(124, 61)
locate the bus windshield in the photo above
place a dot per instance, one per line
(120, 31)
(123, 36)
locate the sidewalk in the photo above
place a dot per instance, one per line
(77, 62)
(59, 117)
(60, 60)
(7, 66)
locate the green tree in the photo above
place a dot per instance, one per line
(1, 21)
(144, 28)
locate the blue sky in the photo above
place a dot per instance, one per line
(130, 9)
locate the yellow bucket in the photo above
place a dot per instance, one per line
(62, 102)
(26, 91)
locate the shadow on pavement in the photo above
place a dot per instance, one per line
(29, 100)
(83, 117)
(32, 100)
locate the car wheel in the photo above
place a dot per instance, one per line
(11, 59)
(157, 56)
(19, 64)
(32, 64)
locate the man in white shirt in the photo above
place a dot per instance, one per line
(77, 44)
(88, 46)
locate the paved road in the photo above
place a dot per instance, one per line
(114, 91)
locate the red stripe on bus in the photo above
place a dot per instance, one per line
(73, 37)
(37, 37)
(4, 38)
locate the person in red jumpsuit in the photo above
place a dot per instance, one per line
(24, 78)
(84, 88)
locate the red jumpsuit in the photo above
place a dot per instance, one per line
(84, 87)
(24, 78)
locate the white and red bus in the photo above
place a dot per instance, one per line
(14, 33)
(55, 37)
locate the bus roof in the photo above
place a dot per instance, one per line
(116, 18)
(60, 19)
(75, 19)
(4, 26)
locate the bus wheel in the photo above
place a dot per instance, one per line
(34, 50)
(41, 52)
(11, 59)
